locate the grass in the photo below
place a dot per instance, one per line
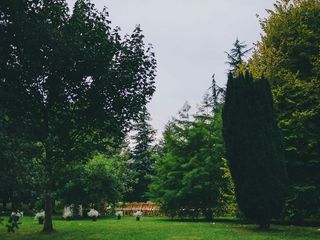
(154, 228)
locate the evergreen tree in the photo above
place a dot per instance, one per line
(237, 54)
(254, 148)
(191, 176)
(143, 158)
(217, 96)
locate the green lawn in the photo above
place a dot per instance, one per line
(154, 228)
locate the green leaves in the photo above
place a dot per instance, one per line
(70, 82)
(288, 55)
(191, 177)
(105, 178)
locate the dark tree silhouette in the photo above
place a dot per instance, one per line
(70, 82)
(254, 148)
(237, 54)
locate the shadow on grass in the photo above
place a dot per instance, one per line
(256, 229)
(306, 223)
(60, 218)
(47, 233)
(222, 220)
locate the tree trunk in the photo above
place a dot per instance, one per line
(53, 206)
(264, 226)
(48, 227)
(209, 215)
(48, 164)
(15, 204)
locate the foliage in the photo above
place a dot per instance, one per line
(236, 56)
(142, 157)
(20, 171)
(192, 177)
(106, 178)
(102, 178)
(299, 116)
(254, 148)
(288, 55)
(289, 47)
(69, 82)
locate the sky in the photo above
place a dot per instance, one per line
(190, 38)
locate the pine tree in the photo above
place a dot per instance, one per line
(192, 177)
(142, 156)
(217, 96)
(237, 54)
(253, 148)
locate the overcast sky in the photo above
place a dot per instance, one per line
(189, 39)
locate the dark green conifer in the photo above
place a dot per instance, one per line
(142, 156)
(254, 148)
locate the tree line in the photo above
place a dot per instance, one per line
(269, 132)
(72, 89)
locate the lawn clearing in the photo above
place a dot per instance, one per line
(154, 228)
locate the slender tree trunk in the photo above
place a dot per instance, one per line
(15, 204)
(209, 215)
(4, 205)
(264, 226)
(48, 226)
(53, 206)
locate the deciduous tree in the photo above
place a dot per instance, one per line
(70, 81)
(288, 55)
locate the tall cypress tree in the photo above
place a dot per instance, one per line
(254, 148)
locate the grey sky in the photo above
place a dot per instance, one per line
(189, 38)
